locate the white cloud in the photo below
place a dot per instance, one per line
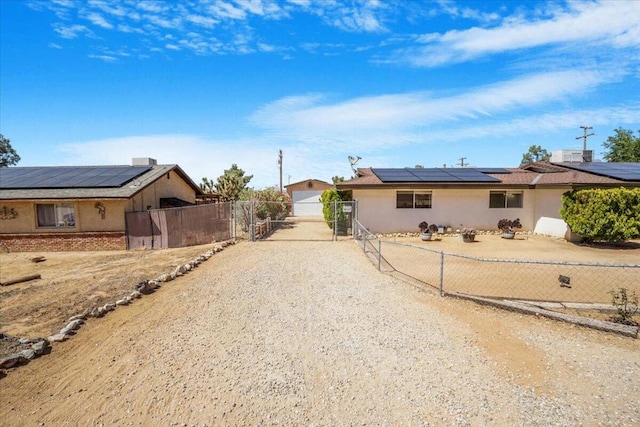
(71, 31)
(98, 20)
(205, 21)
(609, 23)
(54, 46)
(105, 58)
(226, 10)
(373, 116)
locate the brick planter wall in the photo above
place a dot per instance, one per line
(61, 242)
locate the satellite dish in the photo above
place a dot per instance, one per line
(354, 160)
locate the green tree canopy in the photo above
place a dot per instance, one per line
(232, 183)
(535, 154)
(8, 155)
(622, 147)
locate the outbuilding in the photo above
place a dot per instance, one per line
(305, 196)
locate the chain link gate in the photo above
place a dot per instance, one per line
(260, 220)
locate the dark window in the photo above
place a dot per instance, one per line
(423, 200)
(505, 199)
(404, 199)
(56, 215)
(410, 200)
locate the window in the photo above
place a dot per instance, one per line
(505, 199)
(56, 215)
(411, 199)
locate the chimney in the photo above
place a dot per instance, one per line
(143, 161)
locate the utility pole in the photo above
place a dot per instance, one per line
(585, 136)
(280, 165)
(462, 159)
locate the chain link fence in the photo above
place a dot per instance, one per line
(513, 279)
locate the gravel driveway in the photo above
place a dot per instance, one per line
(310, 333)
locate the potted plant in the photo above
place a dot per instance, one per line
(427, 231)
(507, 226)
(468, 234)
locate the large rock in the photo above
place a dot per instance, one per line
(28, 354)
(40, 347)
(11, 361)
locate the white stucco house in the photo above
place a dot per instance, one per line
(397, 200)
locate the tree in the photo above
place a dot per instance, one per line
(207, 185)
(8, 155)
(609, 215)
(535, 154)
(232, 183)
(622, 147)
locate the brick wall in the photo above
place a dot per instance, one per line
(60, 242)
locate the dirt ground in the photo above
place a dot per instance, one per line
(535, 266)
(74, 281)
(246, 339)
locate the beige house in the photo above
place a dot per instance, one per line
(305, 196)
(397, 200)
(83, 207)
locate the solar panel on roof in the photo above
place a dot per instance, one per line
(622, 171)
(69, 176)
(432, 175)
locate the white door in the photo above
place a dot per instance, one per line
(307, 203)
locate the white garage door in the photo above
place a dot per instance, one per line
(307, 203)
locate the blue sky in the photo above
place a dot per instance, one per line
(205, 84)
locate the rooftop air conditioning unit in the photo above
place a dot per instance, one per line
(143, 161)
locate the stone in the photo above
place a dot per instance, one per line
(71, 326)
(164, 278)
(136, 294)
(141, 286)
(57, 337)
(24, 340)
(109, 307)
(122, 302)
(28, 354)
(40, 347)
(11, 361)
(188, 267)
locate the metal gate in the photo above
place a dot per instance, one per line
(269, 221)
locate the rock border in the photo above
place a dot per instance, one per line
(40, 346)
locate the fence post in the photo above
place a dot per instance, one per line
(335, 220)
(441, 273)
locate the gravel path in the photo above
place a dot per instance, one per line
(310, 333)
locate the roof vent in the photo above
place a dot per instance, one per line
(143, 161)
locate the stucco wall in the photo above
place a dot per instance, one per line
(149, 197)
(455, 208)
(88, 218)
(548, 202)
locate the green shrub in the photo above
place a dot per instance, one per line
(329, 199)
(610, 215)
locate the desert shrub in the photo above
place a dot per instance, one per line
(610, 215)
(626, 304)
